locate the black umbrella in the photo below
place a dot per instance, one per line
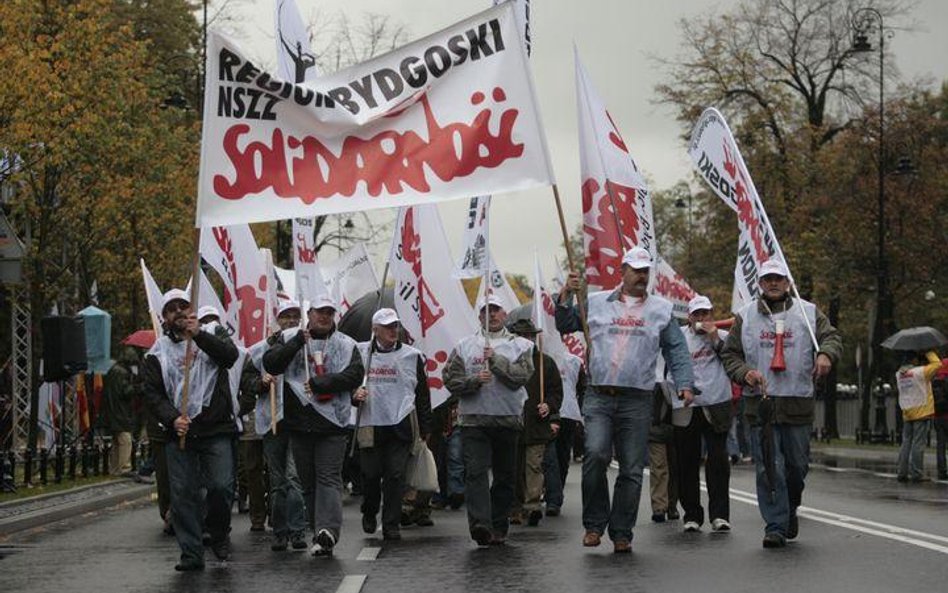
(915, 339)
(357, 321)
(765, 414)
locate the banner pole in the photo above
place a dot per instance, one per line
(188, 355)
(267, 321)
(580, 303)
(540, 349)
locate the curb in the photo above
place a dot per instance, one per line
(45, 516)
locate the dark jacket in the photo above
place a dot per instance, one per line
(789, 410)
(119, 387)
(536, 430)
(216, 418)
(403, 430)
(661, 429)
(296, 416)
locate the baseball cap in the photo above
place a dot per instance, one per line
(207, 311)
(323, 301)
(175, 294)
(384, 317)
(287, 305)
(699, 303)
(773, 267)
(491, 300)
(637, 258)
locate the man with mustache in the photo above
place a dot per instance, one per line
(628, 328)
(205, 459)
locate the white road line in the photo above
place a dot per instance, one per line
(351, 583)
(893, 532)
(369, 553)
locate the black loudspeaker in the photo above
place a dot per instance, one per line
(64, 347)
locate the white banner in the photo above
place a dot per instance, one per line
(544, 317)
(351, 277)
(296, 61)
(617, 209)
(500, 287)
(717, 159)
(451, 115)
(154, 296)
(671, 285)
(523, 20)
(474, 257)
(309, 278)
(232, 252)
(430, 302)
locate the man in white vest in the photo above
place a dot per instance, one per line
(488, 374)
(753, 357)
(395, 390)
(205, 461)
(287, 510)
(628, 327)
(321, 368)
(707, 419)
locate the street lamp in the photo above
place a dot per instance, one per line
(680, 203)
(863, 21)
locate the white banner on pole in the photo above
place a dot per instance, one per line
(309, 278)
(351, 277)
(672, 285)
(474, 257)
(451, 115)
(296, 61)
(430, 302)
(153, 296)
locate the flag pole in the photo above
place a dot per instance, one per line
(188, 355)
(580, 304)
(486, 307)
(540, 348)
(267, 320)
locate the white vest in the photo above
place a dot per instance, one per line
(626, 339)
(261, 413)
(493, 398)
(758, 334)
(710, 377)
(337, 354)
(170, 355)
(393, 378)
(570, 366)
(913, 388)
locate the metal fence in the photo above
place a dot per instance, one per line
(27, 468)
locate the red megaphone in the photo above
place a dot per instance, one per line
(320, 371)
(777, 363)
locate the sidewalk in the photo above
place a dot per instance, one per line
(875, 458)
(27, 513)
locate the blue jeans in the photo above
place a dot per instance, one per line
(287, 511)
(791, 464)
(912, 453)
(619, 422)
(206, 463)
(455, 462)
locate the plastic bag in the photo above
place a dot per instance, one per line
(422, 472)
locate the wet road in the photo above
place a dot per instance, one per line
(858, 532)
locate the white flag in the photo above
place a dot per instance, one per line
(523, 20)
(474, 257)
(430, 302)
(232, 252)
(715, 156)
(617, 209)
(500, 287)
(309, 278)
(351, 277)
(296, 61)
(671, 285)
(451, 115)
(154, 296)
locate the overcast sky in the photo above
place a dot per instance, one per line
(615, 39)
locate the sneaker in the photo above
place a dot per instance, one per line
(552, 511)
(533, 519)
(189, 565)
(658, 517)
(481, 534)
(279, 544)
(392, 535)
(793, 527)
(369, 523)
(720, 525)
(326, 539)
(592, 539)
(692, 527)
(298, 541)
(774, 540)
(622, 546)
(221, 549)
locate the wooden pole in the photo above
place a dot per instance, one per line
(188, 356)
(267, 320)
(540, 349)
(580, 303)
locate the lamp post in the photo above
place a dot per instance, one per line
(863, 21)
(680, 203)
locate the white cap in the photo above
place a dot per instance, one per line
(384, 317)
(492, 299)
(286, 305)
(773, 266)
(323, 301)
(175, 294)
(206, 311)
(699, 303)
(637, 258)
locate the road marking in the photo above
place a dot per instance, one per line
(369, 553)
(351, 583)
(893, 532)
